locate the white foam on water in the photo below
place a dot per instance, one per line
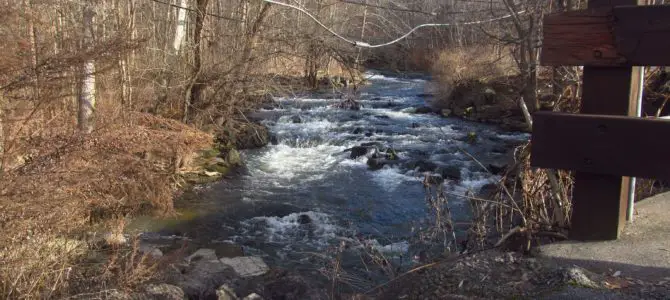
(390, 178)
(402, 115)
(359, 163)
(371, 76)
(474, 181)
(393, 249)
(287, 229)
(249, 200)
(286, 162)
(514, 137)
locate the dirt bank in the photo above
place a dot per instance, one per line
(493, 274)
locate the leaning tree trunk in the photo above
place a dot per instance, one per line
(87, 85)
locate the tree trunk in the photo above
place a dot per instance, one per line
(126, 60)
(244, 15)
(87, 86)
(193, 94)
(180, 28)
(32, 33)
(360, 50)
(252, 39)
(2, 135)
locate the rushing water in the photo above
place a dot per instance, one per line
(308, 173)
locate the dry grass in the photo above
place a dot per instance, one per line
(59, 183)
(481, 63)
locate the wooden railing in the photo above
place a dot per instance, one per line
(612, 39)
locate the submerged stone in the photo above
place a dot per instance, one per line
(304, 219)
(450, 172)
(423, 110)
(358, 151)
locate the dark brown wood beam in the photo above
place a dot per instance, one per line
(601, 144)
(619, 36)
(599, 201)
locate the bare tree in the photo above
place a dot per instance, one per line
(193, 95)
(87, 86)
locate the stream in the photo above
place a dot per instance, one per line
(299, 196)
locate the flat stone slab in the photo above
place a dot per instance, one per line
(202, 254)
(642, 251)
(246, 266)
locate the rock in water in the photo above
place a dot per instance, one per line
(233, 157)
(424, 110)
(274, 140)
(425, 166)
(304, 219)
(376, 163)
(358, 130)
(434, 179)
(450, 172)
(358, 151)
(488, 190)
(296, 119)
(163, 291)
(348, 103)
(497, 168)
(246, 266)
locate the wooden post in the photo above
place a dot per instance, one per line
(607, 91)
